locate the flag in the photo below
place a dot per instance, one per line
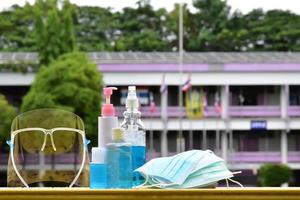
(187, 84)
(217, 104)
(194, 104)
(163, 87)
(164, 99)
(241, 99)
(152, 104)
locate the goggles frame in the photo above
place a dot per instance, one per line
(46, 133)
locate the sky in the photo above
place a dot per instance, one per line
(243, 5)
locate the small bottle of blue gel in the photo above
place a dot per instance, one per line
(98, 169)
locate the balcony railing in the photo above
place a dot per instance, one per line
(294, 111)
(173, 111)
(234, 111)
(263, 157)
(235, 157)
(254, 111)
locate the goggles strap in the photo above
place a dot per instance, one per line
(10, 144)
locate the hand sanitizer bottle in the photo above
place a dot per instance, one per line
(134, 133)
(98, 169)
(119, 164)
(107, 121)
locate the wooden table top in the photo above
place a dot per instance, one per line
(147, 194)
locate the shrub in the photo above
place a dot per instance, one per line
(274, 175)
(7, 114)
(73, 83)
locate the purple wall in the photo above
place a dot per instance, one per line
(263, 157)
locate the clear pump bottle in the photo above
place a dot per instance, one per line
(134, 133)
(119, 163)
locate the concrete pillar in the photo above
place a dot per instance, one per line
(284, 104)
(230, 141)
(191, 139)
(284, 147)
(224, 145)
(217, 148)
(164, 143)
(284, 101)
(204, 140)
(224, 101)
(225, 118)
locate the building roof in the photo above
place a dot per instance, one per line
(171, 57)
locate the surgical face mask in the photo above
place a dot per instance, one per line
(48, 148)
(191, 169)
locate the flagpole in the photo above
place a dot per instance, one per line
(151, 129)
(180, 60)
(164, 117)
(191, 137)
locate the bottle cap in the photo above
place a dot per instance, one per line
(117, 133)
(98, 155)
(108, 108)
(132, 102)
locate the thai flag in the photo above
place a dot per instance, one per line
(153, 108)
(163, 87)
(218, 107)
(187, 84)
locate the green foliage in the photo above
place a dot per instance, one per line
(274, 175)
(213, 27)
(22, 67)
(16, 26)
(210, 20)
(54, 31)
(72, 82)
(7, 114)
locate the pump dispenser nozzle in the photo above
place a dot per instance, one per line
(132, 102)
(107, 108)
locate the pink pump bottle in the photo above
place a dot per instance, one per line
(107, 121)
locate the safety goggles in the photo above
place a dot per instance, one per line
(44, 156)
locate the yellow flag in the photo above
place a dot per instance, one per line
(194, 104)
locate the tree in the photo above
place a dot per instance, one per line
(210, 19)
(49, 29)
(141, 29)
(274, 175)
(95, 28)
(7, 114)
(72, 82)
(16, 26)
(172, 23)
(54, 29)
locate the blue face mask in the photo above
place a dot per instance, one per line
(189, 169)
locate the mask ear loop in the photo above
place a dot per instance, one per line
(236, 182)
(143, 185)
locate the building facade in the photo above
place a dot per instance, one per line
(258, 93)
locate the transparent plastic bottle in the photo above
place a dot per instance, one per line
(134, 133)
(98, 169)
(119, 163)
